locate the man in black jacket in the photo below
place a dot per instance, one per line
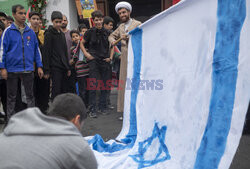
(55, 55)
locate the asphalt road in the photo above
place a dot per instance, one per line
(109, 127)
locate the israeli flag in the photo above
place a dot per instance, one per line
(188, 89)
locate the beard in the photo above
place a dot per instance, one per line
(124, 19)
(63, 26)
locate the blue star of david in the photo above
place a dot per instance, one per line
(144, 145)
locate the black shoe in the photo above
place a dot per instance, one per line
(92, 114)
(2, 121)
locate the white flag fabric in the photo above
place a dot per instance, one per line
(187, 91)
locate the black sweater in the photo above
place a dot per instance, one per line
(55, 51)
(96, 40)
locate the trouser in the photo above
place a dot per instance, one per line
(71, 82)
(82, 89)
(12, 86)
(3, 95)
(41, 93)
(20, 105)
(109, 91)
(248, 112)
(98, 76)
(59, 79)
(247, 120)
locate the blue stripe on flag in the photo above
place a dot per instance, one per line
(231, 15)
(97, 142)
(137, 50)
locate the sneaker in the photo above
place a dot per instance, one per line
(111, 107)
(120, 118)
(2, 114)
(92, 115)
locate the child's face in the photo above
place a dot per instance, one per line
(34, 21)
(98, 22)
(57, 24)
(75, 37)
(109, 26)
(83, 31)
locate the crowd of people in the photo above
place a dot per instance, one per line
(37, 65)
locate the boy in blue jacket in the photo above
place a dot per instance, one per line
(18, 52)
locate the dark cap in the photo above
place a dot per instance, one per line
(3, 14)
(56, 15)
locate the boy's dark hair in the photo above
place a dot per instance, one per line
(9, 18)
(68, 106)
(74, 31)
(107, 20)
(56, 15)
(2, 26)
(3, 14)
(97, 14)
(82, 26)
(14, 8)
(34, 13)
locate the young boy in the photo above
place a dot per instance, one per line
(20, 50)
(108, 24)
(10, 20)
(82, 28)
(80, 63)
(41, 86)
(56, 55)
(3, 18)
(96, 40)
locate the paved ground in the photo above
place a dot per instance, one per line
(109, 127)
(242, 157)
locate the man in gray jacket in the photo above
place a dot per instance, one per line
(32, 140)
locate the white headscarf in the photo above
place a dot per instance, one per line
(123, 4)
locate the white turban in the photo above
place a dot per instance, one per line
(123, 4)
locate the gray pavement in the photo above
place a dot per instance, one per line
(242, 156)
(109, 127)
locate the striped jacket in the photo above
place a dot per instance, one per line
(81, 65)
